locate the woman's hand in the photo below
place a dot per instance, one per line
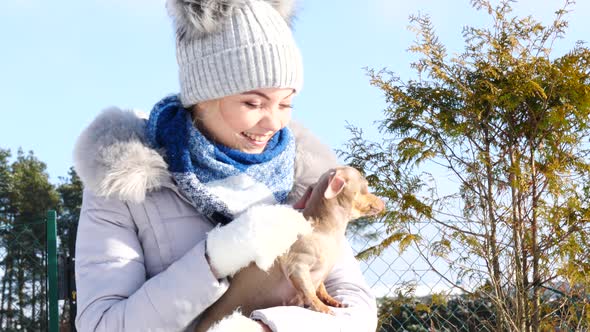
(259, 235)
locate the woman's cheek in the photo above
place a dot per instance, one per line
(240, 120)
(286, 118)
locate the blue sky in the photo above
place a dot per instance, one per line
(62, 62)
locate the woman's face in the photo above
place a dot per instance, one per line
(245, 121)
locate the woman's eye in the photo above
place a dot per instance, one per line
(252, 104)
(286, 106)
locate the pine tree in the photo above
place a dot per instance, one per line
(70, 192)
(29, 197)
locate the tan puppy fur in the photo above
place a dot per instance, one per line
(297, 277)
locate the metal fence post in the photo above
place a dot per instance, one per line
(52, 271)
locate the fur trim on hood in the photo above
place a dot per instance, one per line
(113, 160)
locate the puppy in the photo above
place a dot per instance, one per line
(297, 277)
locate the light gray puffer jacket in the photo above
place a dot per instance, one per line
(140, 255)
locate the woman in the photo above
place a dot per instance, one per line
(156, 188)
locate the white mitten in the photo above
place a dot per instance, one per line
(259, 235)
(236, 322)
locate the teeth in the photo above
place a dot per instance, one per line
(257, 138)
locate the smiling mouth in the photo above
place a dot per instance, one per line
(257, 140)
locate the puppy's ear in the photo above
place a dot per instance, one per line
(335, 186)
(302, 202)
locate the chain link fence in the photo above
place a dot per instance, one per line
(420, 290)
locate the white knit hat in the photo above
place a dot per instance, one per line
(225, 47)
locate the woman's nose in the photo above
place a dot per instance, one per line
(272, 120)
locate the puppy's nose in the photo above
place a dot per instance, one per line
(378, 205)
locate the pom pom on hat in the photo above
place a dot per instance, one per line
(196, 18)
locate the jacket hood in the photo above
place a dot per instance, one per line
(113, 159)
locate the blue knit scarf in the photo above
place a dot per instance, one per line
(219, 181)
